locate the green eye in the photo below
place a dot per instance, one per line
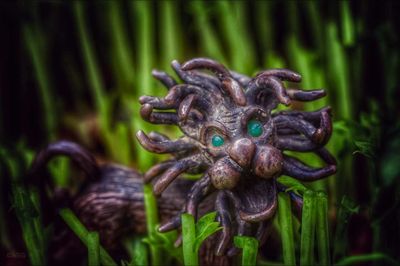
(217, 141)
(254, 128)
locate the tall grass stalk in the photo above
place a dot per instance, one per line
(308, 228)
(240, 48)
(93, 245)
(338, 69)
(96, 85)
(249, 246)
(138, 252)
(144, 30)
(170, 29)
(30, 221)
(347, 25)
(209, 39)
(190, 256)
(286, 229)
(152, 221)
(172, 47)
(98, 91)
(322, 229)
(363, 259)
(26, 205)
(121, 48)
(32, 38)
(79, 229)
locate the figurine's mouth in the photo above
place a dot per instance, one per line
(256, 198)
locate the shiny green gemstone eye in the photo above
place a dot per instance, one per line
(217, 141)
(254, 128)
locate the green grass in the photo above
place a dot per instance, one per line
(111, 48)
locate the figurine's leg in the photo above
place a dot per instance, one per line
(201, 189)
(222, 207)
(263, 231)
(168, 146)
(304, 96)
(156, 170)
(169, 118)
(294, 168)
(166, 79)
(172, 173)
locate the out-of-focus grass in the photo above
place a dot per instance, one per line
(79, 229)
(249, 246)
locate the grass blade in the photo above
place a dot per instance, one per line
(322, 230)
(79, 229)
(142, 12)
(93, 245)
(150, 204)
(32, 40)
(190, 256)
(362, 259)
(286, 228)
(308, 229)
(250, 249)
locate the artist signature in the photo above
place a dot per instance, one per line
(16, 255)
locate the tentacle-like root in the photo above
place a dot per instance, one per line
(168, 118)
(201, 189)
(294, 168)
(157, 102)
(78, 155)
(318, 136)
(281, 73)
(304, 96)
(156, 136)
(156, 170)
(173, 172)
(166, 146)
(165, 79)
(242, 79)
(233, 87)
(264, 81)
(195, 78)
(186, 105)
(313, 117)
(222, 207)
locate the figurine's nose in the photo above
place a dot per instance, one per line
(242, 152)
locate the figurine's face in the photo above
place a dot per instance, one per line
(240, 141)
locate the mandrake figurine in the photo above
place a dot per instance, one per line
(232, 136)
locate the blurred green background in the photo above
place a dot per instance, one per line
(75, 69)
